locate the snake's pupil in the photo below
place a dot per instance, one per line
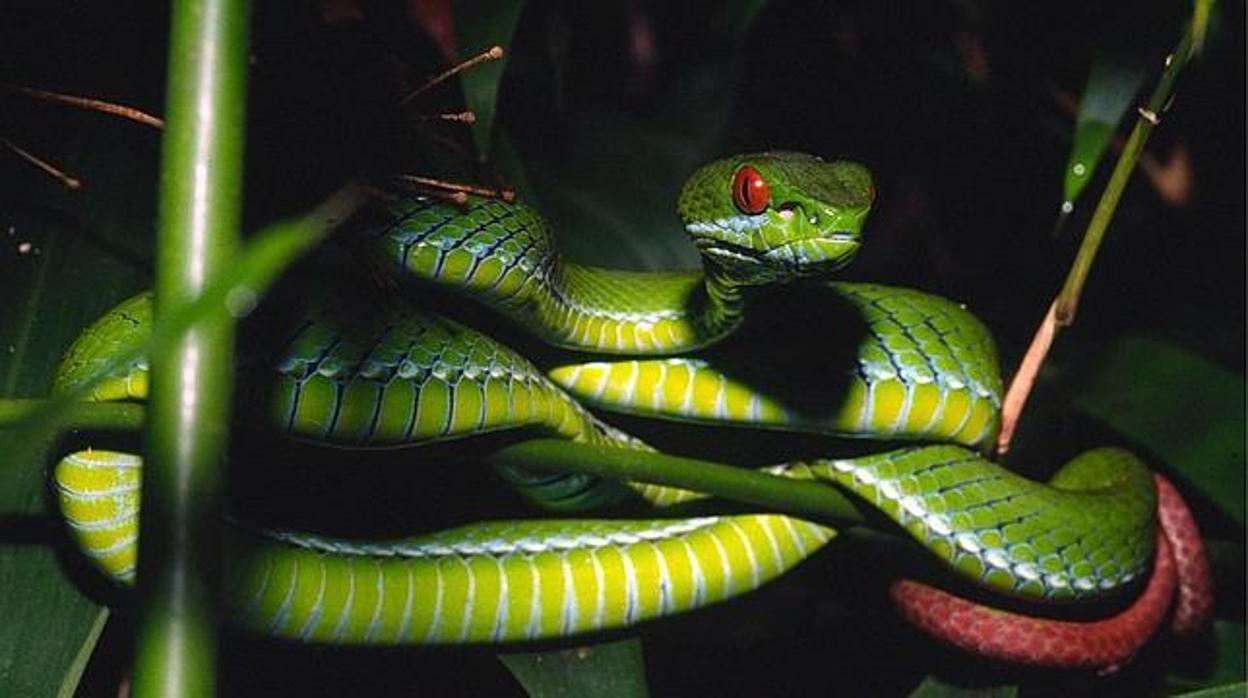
(750, 192)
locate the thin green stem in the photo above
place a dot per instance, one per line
(770, 491)
(1066, 305)
(1068, 299)
(727, 482)
(100, 416)
(747, 486)
(192, 377)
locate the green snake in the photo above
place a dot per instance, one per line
(395, 376)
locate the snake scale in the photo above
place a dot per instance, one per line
(923, 369)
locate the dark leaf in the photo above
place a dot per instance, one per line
(1183, 408)
(933, 687)
(1225, 676)
(605, 670)
(480, 24)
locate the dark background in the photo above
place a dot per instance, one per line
(963, 110)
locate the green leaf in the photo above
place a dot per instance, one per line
(480, 24)
(933, 687)
(73, 673)
(1225, 674)
(1128, 51)
(64, 259)
(1112, 86)
(604, 212)
(1233, 690)
(1232, 649)
(604, 670)
(1183, 408)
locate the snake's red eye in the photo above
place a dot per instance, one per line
(750, 192)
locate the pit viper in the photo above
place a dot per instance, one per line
(672, 345)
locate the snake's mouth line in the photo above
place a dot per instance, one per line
(786, 252)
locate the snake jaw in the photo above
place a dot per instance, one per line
(781, 244)
(815, 256)
(811, 257)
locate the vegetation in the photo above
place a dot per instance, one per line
(972, 116)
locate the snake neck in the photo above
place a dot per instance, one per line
(637, 313)
(504, 255)
(724, 304)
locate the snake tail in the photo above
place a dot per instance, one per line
(505, 581)
(98, 492)
(1179, 570)
(1193, 605)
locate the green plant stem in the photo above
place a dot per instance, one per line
(815, 500)
(102, 416)
(1062, 312)
(1068, 299)
(191, 378)
(728, 482)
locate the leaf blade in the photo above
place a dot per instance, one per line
(490, 23)
(1183, 408)
(613, 669)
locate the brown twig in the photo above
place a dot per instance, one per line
(48, 168)
(458, 198)
(96, 105)
(462, 117)
(439, 185)
(491, 54)
(1025, 378)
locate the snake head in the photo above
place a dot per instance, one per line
(775, 216)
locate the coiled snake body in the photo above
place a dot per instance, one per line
(923, 369)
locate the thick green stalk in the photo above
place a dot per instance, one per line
(198, 236)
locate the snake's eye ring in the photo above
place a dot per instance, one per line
(750, 192)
